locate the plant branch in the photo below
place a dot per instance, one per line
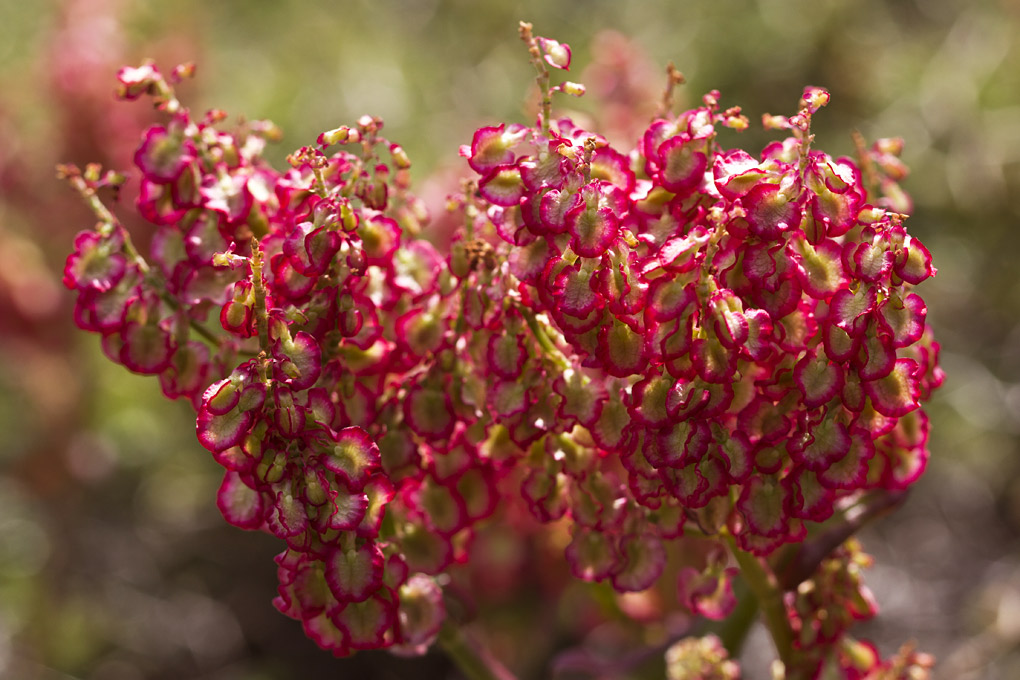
(551, 350)
(535, 53)
(732, 631)
(769, 595)
(469, 657)
(810, 554)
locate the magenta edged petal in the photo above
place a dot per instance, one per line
(913, 262)
(502, 186)
(288, 282)
(188, 373)
(592, 554)
(593, 230)
(770, 212)
(221, 397)
(714, 362)
(576, 296)
(708, 593)
(348, 510)
(323, 632)
(735, 172)
(421, 614)
(676, 338)
(828, 441)
(147, 349)
(354, 575)
(528, 262)
(683, 162)
(728, 320)
(240, 504)
(555, 53)
(897, 393)
(808, 499)
(848, 309)
(819, 267)
(819, 379)
(553, 208)
(288, 518)
(95, 263)
(621, 350)
(508, 398)
(490, 148)
(156, 203)
(763, 505)
(684, 254)
(320, 247)
(739, 456)
(426, 551)
(904, 319)
(163, 154)
(669, 298)
(581, 402)
(227, 195)
(429, 412)
(368, 623)
(235, 458)
(759, 332)
(642, 560)
(304, 361)
(877, 358)
(781, 301)
(850, 471)
(380, 492)
(612, 166)
(839, 345)
(219, 432)
(354, 456)
(871, 262)
(650, 400)
(380, 237)
(506, 355)
(668, 448)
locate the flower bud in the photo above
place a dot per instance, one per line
(338, 135)
(573, 89)
(134, 82)
(556, 54)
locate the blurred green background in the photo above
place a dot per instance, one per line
(114, 562)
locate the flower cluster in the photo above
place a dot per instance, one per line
(305, 274)
(748, 322)
(823, 608)
(638, 344)
(750, 348)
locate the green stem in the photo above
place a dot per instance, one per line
(734, 628)
(261, 313)
(475, 663)
(766, 590)
(108, 221)
(552, 352)
(543, 79)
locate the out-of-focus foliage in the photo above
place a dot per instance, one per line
(114, 562)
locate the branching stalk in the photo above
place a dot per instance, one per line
(473, 661)
(766, 590)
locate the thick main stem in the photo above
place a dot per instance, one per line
(475, 663)
(765, 587)
(733, 630)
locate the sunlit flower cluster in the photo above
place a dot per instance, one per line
(638, 345)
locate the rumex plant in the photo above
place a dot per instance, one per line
(673, 350)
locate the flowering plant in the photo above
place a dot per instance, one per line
(671, 354)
